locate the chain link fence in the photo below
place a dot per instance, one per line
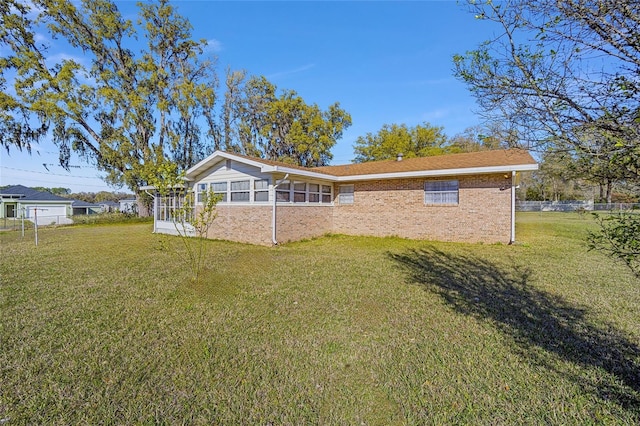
(572, 206)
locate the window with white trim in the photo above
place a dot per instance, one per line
(261, 190)
(304, 192)
(240, 191)
(441, 192)
(282, 192)
(220, 188)
(326, 193)
(314, 192)
(299, 192)
(345, 195)
(201, 193)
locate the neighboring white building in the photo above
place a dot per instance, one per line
(109, 206)
(19, 201)
(129, 206)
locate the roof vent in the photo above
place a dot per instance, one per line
(399, 157)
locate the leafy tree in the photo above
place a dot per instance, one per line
(597, 160)
(16, 127)
(225, 131)
(192, 223)
(618, 238)
(478, 138)
(580, 72)
(392, 139)
(129, 112)
(110, 196)
(123, 111)
(560, 72)
(55, 191)
(257, 121)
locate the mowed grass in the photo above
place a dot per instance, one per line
(101, 325)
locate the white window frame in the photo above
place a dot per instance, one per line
(298, 191)
(237, 191)
(224, 193)
(314, 193)
(442, 192)
(346, 194)
(284, 190)
(261, 190)
(328, 195)
(201, 193)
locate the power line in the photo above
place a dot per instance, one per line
(49, 174)
(65, 183)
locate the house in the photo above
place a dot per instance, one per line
(460, 197)
(129, 206)
(109, 206)
(84, 208)
(21, 202)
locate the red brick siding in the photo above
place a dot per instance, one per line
(381, 208)
(397, 208)
(300, 222)
(244, 224)
(252, 224)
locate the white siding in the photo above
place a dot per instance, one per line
(48, 214)
(232, 171)
(237, 171)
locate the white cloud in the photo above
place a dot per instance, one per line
(435, 114)
(56, 58)
(34, 10)
(213, 45)
(41, 38)
(291, 71)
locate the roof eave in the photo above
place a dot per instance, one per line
(439, 172)
(297, 172)
(24, 200)
(211, 160)
(268, 168)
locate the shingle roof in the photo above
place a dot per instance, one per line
(504, 160)
(497, 158)
(80, 203)
(29, 194)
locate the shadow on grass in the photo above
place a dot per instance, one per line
(533, 318)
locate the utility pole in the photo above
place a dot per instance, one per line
(35, 220)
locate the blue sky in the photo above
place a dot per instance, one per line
(385, 62)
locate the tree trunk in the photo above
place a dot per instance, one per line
(144, 207)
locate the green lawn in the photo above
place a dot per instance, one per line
(101, 325)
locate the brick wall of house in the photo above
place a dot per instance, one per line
(381, 208)
(397, 208)
(252, 224)
(244, 224)
(300, 222)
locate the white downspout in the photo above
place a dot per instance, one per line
(513, 207)
(273, 214)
